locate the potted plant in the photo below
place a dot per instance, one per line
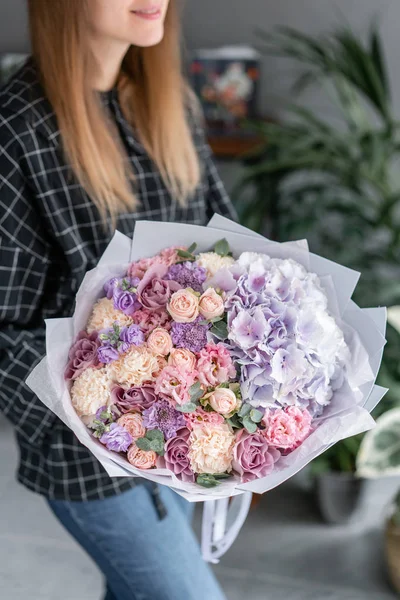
(379, 455)
(335, 183)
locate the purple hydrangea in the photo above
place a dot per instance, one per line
(188, 275)
(162, 415)
(192, 336)
(116, 438)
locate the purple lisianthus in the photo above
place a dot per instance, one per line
(192, 336)
(188, 275)
(132, 335)
(110, 286)
(162, 415)
(125, 301)
(107, 414)
(107, 354)
(154, 291)
(252, 456)
(117, 438)
(176, 457)
(82, 355)
(133, 399)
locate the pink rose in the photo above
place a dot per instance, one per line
(153, 292)
(174, 383)
(141, 459)
(252, 456)
(223, 401)
(133, 424)
(211, 304)
(82, 354)
(200, 416)
(159, 341)
(133, 399)
(215, 365)
(176, 457)
(287, 427)
(150, 319)
(184, 306)
(182, 358)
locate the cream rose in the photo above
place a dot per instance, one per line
(223, 401)
(159, 341)
(141, 459)
(211, 304)
(211, 448)
(213, 262)
(133, 423)
(184, 306)
(182, 358)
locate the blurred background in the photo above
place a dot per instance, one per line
(302, 101)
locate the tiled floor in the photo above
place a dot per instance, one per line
(284, 552)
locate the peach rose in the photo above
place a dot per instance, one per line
(211, 304)
(223, 401)
(141, 459)
(133, 423)
(183, 358)
(184, 306)
(159, 341)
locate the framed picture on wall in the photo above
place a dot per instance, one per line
(9, 64)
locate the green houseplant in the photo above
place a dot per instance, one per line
(334, 181)
(379, 455)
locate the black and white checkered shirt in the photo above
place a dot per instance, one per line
(50, 235)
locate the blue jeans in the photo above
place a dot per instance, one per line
(141, 556)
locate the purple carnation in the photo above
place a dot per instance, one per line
(107, 354)
(162, 415)
(132, 335)
(82, 355)
(188, 275)
(117, 438)
(192, 336)
(134, 399)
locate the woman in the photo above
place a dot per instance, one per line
(97, 130)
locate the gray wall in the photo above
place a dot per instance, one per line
(215, 22)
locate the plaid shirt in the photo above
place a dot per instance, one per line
(50, 235)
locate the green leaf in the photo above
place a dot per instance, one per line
(222, 475)
(256, 415)
(206, 480)
(234, 422)
(155, 434)
(189, 407)
(222, 247)
(249, 425)
(143, 444)
(245, 410)
(220, 330)
(192, 248)
(157, 446)
(186, 255)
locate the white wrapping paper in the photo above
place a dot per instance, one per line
(347, 415)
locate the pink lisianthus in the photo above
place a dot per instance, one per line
(286, 428)
(167, 257)
(149, 320)
(201, 416)
(174, 383)
(253, 457)
(215, 365)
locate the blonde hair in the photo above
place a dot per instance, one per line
(154, 97)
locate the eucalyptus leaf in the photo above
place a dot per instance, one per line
(155, 434)
(220, 330)
(256, 415)
(143, 444)
(222, 247)
(192, 248)
(245, 410)
(189, 407)
(249, 425)
(206, 480)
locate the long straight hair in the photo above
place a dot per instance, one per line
(154, 97)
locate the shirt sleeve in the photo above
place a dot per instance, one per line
(24, 282)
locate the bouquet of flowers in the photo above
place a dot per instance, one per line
(216, 364)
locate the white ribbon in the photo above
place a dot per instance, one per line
(222, 522)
